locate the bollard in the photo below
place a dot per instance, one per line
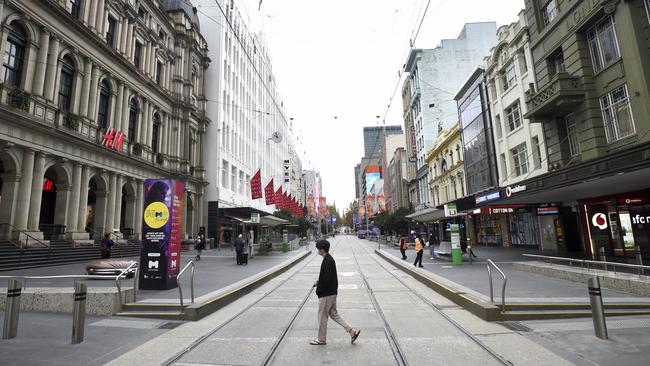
(603, 257)
(469, 253)
(12, 308)
(597, 309)
(79, 312)
(639, 259)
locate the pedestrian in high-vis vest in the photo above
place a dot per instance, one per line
(419, 250)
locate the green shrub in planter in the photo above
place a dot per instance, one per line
(137, 149)
(18, 98)
(160, 159)
(71, 121)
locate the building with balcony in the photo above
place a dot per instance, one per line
(96, 97)
(390, 144)
(592, 97)
(397, 193)
(509, 74)
(434, 77)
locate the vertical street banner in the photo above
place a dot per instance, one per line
(256, 185)
(311, 206)
(278, 198)
(322, 207)
(382, 203)
(160, 254)
(370, 205)
(362, 212)
(269, 193)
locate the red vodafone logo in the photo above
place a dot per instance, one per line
(599, 220)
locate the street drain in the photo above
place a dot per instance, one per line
(170, 325)
(516, 326)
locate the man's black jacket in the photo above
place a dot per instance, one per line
(328, 283)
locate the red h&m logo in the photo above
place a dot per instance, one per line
(113, 139)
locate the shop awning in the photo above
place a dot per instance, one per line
(427, 215)
(270, 221)
(243, 213)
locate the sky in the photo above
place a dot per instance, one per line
(336, 63)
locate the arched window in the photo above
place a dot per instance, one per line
(104, 98)
(133, 119)
(154, 132)
(75, 8)
(12, 68)
(65, 87)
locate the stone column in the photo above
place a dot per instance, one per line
(199, 209)
(123, 35)
(149, 124)
(76, 94)
(163, 136)
(75, 194)
(142, 125)
(83, 199)
(8, 203)
(129, 42)
(101, 15)
(30, 66)
(117, 39)
(36, 192)
(86, 15)
(41, 66)
(25, 190)
(85, 90)
(63, 193)
(139, 210)
(92, 18)
(117, 116)
(125, 110)
(110, 204)
(92, 94)
(118, 203)
(52, 67)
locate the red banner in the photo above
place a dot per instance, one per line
(269, 192)
(256, 185)
(278, 198)
(311, 206)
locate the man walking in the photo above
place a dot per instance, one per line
(419, 250)
(326, 290)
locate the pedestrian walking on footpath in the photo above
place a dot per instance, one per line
(403, 246)
(327, 290)
(239, 247)
(106, 246)
(419, 250)
(199, 245)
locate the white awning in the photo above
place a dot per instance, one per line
(427, 215)
(270, 221)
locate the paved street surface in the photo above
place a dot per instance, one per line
(217, 269)
(521, 287)
(402, 322)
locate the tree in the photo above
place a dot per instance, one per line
(303, 224)
(348, 218)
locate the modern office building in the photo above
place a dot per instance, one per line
(434, 77)
(250, 130)
(95, 98)
(373, 138)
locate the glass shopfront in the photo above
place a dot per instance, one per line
(618, 224)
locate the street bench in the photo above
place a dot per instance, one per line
(444, 248)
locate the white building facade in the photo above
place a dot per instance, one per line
(435, 75)
(250, 129)
(96, 97)
(509, 75)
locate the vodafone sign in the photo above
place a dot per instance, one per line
(599, 220)
(516, 189)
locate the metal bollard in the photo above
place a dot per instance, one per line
(12, 308)
(597, 309)
(79, 312)
(639, 259)
(603, 257)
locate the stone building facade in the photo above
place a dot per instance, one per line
(96, 97)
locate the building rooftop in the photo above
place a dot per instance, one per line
(183, 5)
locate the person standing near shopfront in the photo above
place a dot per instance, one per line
(403, 245)
(239, 247)
(419, 250)
(432, 242)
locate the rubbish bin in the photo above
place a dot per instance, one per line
(285, 247)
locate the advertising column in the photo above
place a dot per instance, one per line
(161, 230)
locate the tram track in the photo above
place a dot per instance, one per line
(494, 354)
(240, 313)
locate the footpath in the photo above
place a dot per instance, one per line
(44, 337)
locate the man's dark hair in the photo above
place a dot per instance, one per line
(323, 244)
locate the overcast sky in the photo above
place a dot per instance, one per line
(340, 58)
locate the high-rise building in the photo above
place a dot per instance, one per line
(390, 144)
(373, 138)
(435, 75)
(94, 100)
(250, 130)
(357, 185)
